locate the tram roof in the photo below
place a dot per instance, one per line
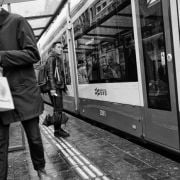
(39, 13)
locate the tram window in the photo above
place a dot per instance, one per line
(98, 8)
(105, 43)
(179, 13)
(104, 4)
(67, 68)
(153, 39)
(66, 59)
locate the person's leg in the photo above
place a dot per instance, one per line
(4, 144)
(32, 130)
(58, 108)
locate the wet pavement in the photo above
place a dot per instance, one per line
(93, 153)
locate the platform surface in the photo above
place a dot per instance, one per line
(92, 153)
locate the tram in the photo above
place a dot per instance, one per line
(122, 67)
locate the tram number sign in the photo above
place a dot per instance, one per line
(151, 2)
(102, 112)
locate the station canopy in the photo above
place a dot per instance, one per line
(39, 13)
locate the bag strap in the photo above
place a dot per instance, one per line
(56, 73)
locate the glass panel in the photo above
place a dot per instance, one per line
(105, 43)
(54, 29)
(37, 32)
(179, 12)
(35, 8)
(63, 39)
(35, 23)
(74, 3)
(153, 38)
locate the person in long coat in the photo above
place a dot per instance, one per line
(18, 53)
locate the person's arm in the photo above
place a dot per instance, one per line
(27, 53)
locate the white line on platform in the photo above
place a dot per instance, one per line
(83, 166)
(70, 160)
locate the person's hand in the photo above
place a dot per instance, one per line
(53, 93)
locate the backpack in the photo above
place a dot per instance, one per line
(43, 81)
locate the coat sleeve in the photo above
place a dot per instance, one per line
(27, 52)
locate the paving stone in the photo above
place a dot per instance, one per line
(66, 175)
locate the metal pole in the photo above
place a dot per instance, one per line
(9, 7)
(72, 58)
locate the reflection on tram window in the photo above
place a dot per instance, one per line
(67, 69)
(66, 59)
(82, 71)
(104, 43)
(152, 29)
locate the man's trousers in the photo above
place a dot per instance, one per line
(57, 102)
(32, 131)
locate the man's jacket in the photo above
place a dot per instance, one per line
(18, 53)
(54, 61)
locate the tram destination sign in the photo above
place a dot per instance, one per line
(15, 1)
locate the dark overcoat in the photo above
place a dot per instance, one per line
(18, 53)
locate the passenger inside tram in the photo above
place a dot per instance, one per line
(108, 69)
(82, 72)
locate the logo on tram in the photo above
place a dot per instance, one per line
(100, 92)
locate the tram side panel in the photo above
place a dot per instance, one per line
(106, 65)
(116, 105)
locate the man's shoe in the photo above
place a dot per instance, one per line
(61, 133)
(42, 174)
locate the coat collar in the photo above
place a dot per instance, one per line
(53, 54)
(3, 16)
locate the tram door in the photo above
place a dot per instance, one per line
(161, 119)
